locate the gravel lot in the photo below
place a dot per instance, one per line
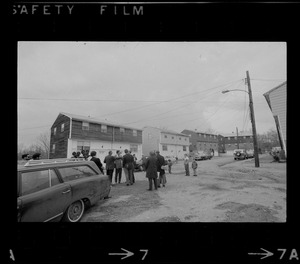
(224, 190)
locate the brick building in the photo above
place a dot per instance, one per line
(200, 142)
(169, 143)
(71, 132)
(230, 142)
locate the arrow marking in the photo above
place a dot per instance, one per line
(266, 254)
(127, 254)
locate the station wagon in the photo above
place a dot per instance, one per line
(60, 189)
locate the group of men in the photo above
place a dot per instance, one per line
(117, 163)
(153, 165)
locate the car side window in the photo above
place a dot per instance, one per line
(53, 177)
(74, 173)
(34, 181)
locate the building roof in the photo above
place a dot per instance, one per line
(275, 88)
(95, 120)
(197, 132)
(241, 134)
(169, 131)
(267, 94)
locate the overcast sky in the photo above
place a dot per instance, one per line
(174, 85)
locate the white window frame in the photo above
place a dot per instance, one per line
(122, 130)
(53, 148)
(134, 132)
(62, 128)
(85, 125)
(54, 131)
(103, 129)
(134, 147)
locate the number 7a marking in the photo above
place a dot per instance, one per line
(146, 252)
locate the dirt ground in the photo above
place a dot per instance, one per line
(224, 190)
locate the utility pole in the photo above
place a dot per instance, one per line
(237, 138)
(253, 122)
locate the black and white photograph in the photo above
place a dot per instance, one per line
(210, 116)
(151, 132)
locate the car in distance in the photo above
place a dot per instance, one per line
(240, 154)
(203, 156)
(250, 153)
(58, 189)
(138, 165)
(172, 158)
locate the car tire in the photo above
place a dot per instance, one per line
(74, 212)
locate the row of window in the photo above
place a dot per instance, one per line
(244, 137)
(85, 145)
(240, 144)
(165, 148)
(165, 136)
(103, 129)
(210, 136)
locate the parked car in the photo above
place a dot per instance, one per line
(138, 166)
(207, 155)
(240, 154)
(58, 189)
(203, 156)
(250, 153)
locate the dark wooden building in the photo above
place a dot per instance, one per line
(71, 133)
(200, 142)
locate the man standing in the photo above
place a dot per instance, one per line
(128, 167)
(186, 165)
(162, 173)
(151, 170)
(110, 165)
(119, 165)
(97, 161)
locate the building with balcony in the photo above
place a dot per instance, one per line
(167, 142)
(71, 133)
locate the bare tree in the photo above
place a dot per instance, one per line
(43, 143)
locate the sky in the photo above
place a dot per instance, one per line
(172, 85)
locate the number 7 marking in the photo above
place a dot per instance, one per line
(146, 252)
(283, 252)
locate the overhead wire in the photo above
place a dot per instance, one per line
(143, 106)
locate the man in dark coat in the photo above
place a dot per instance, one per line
(151, 170)
(128, 167)
(162, 173)
(97, 161)
(110, 165)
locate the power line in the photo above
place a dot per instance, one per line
(170, 100)
(269, 80)
(151, 118)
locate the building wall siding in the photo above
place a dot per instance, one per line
(278, 103)
(112, 133)
(60, 139)
(151, 140)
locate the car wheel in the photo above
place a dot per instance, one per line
(74, 211)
